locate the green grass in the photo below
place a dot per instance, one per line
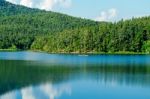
(102, 53)
(9, 50)
(83, 53)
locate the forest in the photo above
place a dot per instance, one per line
(23, 28)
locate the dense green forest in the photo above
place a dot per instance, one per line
(24, 28)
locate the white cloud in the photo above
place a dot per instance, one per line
(107, 15)
(112, 13)
(43, 4)
(13, 1)
(47, 4)
(53, 92)
(46, 90)
(9, 95)
(65, 3)
(27, 93)
(26, 3)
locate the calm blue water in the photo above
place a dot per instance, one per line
(31, 75)
(76, 59)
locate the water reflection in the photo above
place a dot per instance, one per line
(44, 91)
(36, 79)
(77, 59)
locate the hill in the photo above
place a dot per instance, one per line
(33, 29)
(19, 25)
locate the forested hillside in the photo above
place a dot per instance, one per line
(38, 30)
(124, 36)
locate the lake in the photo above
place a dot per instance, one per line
(33, 75)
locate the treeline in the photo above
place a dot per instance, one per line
(32, 29)
(123, 36)
(22, 27)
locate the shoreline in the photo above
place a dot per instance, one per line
(9, 50)
(79, 53)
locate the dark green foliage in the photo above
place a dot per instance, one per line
(26, 28)
(19, 25)
(124, 36)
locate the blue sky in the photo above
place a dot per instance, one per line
(100, 10)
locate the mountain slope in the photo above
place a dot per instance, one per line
(50, 21)
(33, 29)
(7, 8)
(23, 24)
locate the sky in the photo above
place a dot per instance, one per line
(99, 10)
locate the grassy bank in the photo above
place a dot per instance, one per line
(9, 50)
(102, 53)
(82, 53)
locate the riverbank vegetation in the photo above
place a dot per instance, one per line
(24, 28)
